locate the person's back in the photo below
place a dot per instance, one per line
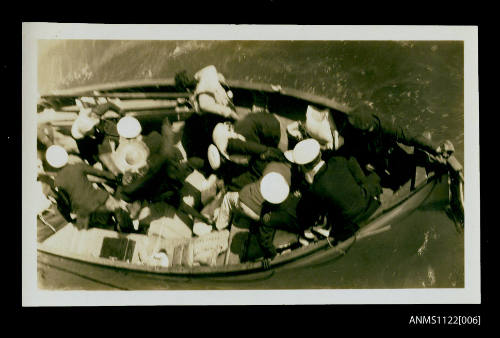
(263, 128)
(83, 196)
(340, 192)
(337, 187)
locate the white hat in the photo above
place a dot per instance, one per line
(220, 137)
(83, 124)
(56, 156)
(304, 152)
(274, 188)
(213, 157)
(129, 127)
(318, 125)
(131, 156)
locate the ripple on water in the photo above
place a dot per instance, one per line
(430, 281)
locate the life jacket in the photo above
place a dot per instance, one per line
(208, 83)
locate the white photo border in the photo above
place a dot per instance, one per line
(470, 294)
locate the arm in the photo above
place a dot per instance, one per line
(109, 163)
(207, 103)
(370, 183)
(45, 134)
(237, 146)
(356, 171)
(388, 127)
(89, 170)
(103, 108)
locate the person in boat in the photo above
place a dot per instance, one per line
(281, 216)
(83, 198)
(212, 101)
(48, 135)
(273, 187)
(96, 136)
(336, 188)
(372, 139)
(153, 170)
(252, 141)
(141, 162)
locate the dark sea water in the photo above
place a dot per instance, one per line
(419, 83)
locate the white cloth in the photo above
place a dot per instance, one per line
(208, 81)
(229, 203)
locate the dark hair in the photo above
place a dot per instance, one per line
(184, 81)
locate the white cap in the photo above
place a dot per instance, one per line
(220, 137)
(213, 157)
(304, 152)
(274, 188)
(56, 156)
(129, 127)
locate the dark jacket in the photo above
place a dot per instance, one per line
(262, 134)
(373, 141)
(341, 190)
(83, 197)
(263, 128)
(163, 173)
(383, 130)
(261, 131)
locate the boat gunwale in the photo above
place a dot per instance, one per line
(239, 268)
(247, 267)
(255, 86)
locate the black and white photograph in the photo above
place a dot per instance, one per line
(250, 164)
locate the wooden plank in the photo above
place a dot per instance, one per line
(153, 95)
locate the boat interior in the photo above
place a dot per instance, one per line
(164, 231)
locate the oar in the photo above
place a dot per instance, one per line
(456, 189)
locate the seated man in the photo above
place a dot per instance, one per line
(337, 188)
(95, 136)
(273, 188)
(256, 139)
(153, 171)
(212, 103)
(48, 135)
(318, 125)
(84, 199)
(142, 162)
(371, 138)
